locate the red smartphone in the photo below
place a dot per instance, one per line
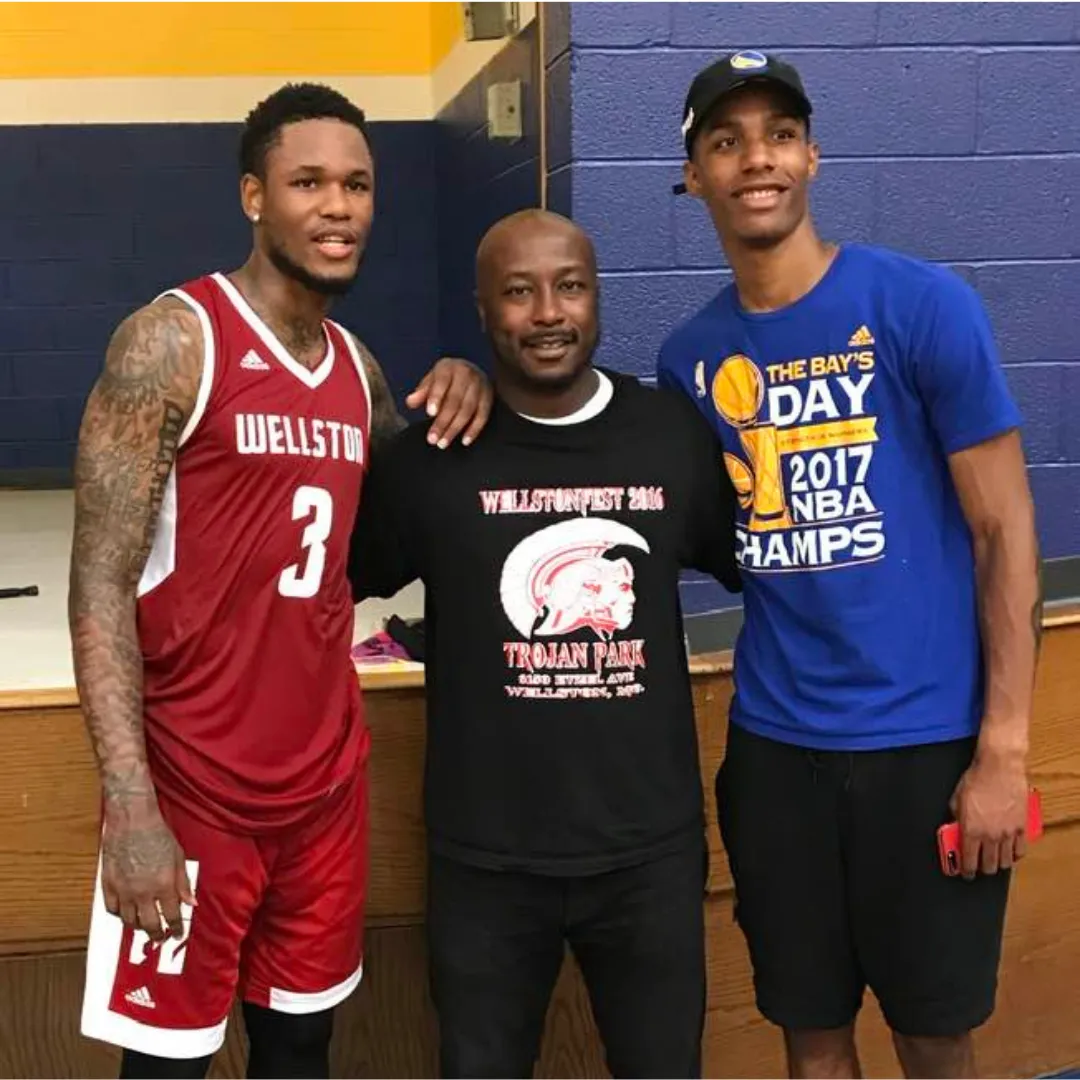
(948, 836)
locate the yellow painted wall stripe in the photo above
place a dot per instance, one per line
(110, 40)
(447, 28)
(115, 98)
(213, 99)
(465, 58)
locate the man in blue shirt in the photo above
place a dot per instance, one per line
(885, 670)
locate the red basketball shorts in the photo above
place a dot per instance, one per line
(278, 920)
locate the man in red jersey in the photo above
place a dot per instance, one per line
(218, 473)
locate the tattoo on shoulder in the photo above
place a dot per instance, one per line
(130, 434)
(154, 352)
(386, 421)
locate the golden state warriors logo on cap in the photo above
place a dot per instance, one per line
(748, 61)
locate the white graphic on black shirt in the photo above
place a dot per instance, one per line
(557, 580)
(573, 576)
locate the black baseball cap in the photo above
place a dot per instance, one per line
(730, 73)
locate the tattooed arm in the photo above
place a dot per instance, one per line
(127, 443)
(386, 421)
(457, 394)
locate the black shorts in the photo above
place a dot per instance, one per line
(496, 942)
(838, 886)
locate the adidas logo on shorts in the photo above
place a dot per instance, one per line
(142, 997)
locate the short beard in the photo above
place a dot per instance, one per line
(513, 372)
(321, 286)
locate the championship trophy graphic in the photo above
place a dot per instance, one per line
(738, 391)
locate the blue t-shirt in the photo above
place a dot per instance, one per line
(836, 416)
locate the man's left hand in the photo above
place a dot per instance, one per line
(990, 804)
(458, 395)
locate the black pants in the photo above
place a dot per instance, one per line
(496, 944)
(839, 887)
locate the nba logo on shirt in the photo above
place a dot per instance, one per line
(699, 379)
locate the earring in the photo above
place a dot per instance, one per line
(255, 219)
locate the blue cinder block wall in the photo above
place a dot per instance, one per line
(947, 130)
(95, 220)
(479, 181)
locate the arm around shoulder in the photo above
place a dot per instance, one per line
(457, 396)
(669, 361)
(711, 546)
(385, 420)
(382, 546)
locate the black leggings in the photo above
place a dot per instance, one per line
(281, 1045)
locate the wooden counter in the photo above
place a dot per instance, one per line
(48, 824)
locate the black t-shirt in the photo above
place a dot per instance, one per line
(561, 735)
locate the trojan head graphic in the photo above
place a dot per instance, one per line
(560, 579)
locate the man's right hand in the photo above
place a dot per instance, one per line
(143, 876)
(131, 428)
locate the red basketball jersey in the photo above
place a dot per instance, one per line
(245, 615)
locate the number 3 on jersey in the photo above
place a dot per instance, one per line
(303, 581)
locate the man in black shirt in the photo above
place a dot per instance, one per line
(562, 788)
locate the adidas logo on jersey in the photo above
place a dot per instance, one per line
(142, 997)
(254, 362)
(861, 337)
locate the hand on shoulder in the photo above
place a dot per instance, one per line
(458, 396)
